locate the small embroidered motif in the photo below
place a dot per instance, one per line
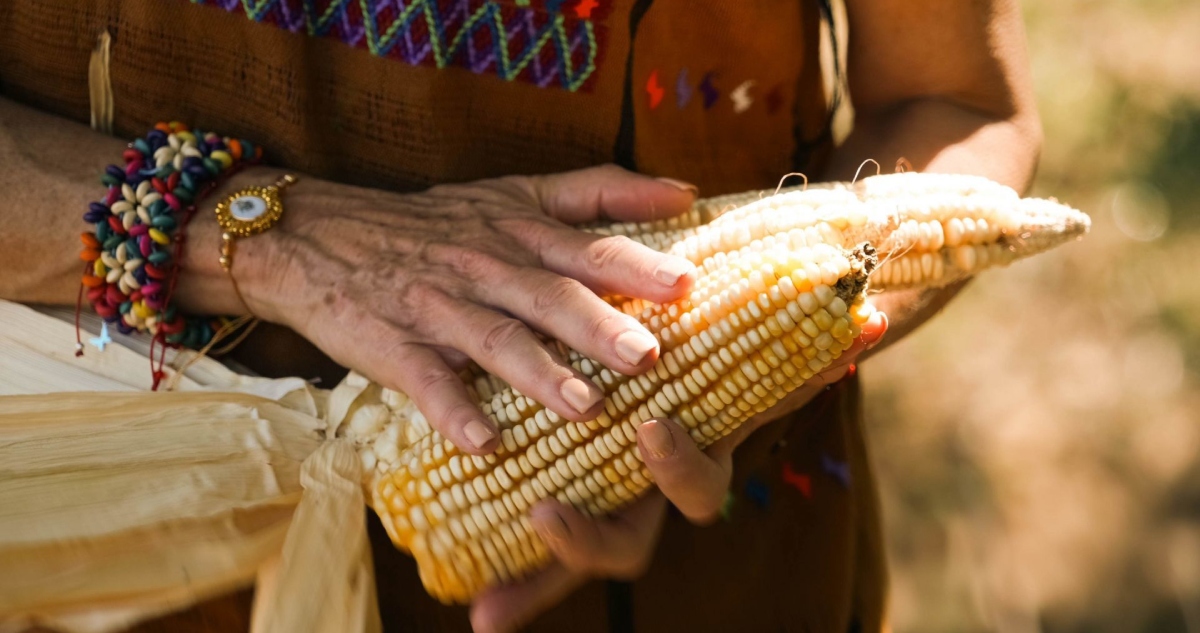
(709, 91)
(654, 90)
(727, 507)
(102, 341)
(758, 492)
(584, 9)
(775, 99)
(741, 97)
(836, 469)
(799, 481)
(683, 90)
(532, 41)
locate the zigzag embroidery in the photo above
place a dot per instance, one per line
(543, 42)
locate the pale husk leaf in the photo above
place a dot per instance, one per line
(115, 509)
(324, 582)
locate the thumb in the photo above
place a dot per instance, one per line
(609, 192)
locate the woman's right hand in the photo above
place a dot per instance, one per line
(405, 288)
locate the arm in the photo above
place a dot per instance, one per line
(943, 83)
(49, 171)
(404, 288)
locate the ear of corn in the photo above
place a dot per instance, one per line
(930, 229)
(780, 296)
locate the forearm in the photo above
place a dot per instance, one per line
(937, 136)
(49, 171)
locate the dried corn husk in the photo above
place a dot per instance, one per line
(37, 356)
(140, 499)
(120, 506)
(329, 534)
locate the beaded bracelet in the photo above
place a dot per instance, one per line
(132, 256)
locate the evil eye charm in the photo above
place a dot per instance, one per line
(252, 210)
(247, 208)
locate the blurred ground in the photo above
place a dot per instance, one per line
(1039, 443)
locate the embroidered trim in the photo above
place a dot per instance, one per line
(655, 90)
(741, 96)
(542, 42)
(709, 91)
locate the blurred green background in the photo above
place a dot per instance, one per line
(1038, 444)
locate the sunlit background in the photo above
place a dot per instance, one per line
(1039, 443)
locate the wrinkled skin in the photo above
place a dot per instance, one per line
(408, 288)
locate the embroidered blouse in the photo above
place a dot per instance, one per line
(404, 94)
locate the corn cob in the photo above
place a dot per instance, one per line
(780, 295)
(930, 229)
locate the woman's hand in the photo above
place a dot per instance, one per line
(621, 546)
(407, 288)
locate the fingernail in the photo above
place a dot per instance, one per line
(680, 185)
(671, 271)
(633, 346)
(551, 526)
(577, 394)
(880, 333)
(478, 433)
(658, 439)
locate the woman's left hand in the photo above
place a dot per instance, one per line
(621, 546)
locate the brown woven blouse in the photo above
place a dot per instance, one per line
(404, 94)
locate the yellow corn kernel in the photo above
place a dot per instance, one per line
(779, 296)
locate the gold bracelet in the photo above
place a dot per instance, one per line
(246, 213)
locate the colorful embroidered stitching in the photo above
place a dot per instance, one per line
(655, 90)
(543, 42)
(709, 90)
(683, 90)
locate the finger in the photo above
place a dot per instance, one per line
(873, 330)
(506, 608)
(619, 546)
(436, 389)
(614, 264)
(457, 360)
(507, 348)
(568, 311)
(386, 354)
(692, 481)
(608, 192)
